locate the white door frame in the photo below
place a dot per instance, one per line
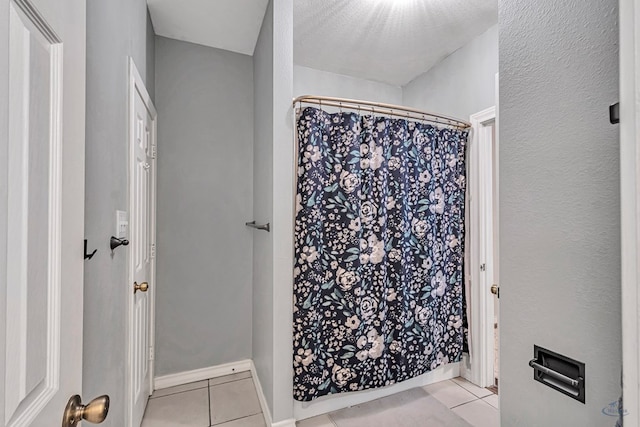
(136, 84)
(629, 204)
(481, 260)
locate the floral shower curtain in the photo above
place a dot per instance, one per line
(379, 247)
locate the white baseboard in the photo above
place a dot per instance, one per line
(285, 423)
(465, 367)
(180, 378)
(266, 412)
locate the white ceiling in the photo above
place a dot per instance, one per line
(224, 24)
(390, 41)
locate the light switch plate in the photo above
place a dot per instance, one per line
(122, 224)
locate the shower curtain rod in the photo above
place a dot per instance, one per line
(377, 107)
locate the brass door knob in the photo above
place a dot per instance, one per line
(142, 287)
(94, 412)
(495, 289)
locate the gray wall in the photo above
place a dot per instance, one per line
(205, 179)
(150, 80)
(309, 81)
(115, 31)
(461, 84)
(4, 139)
(273, 202)
(263, 206)
(282, 209)
(559, 206)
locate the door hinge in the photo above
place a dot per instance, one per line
(151, 355)
(154, 151)
(152, 250)
(483, 267)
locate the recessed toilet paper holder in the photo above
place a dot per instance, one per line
(559, 372)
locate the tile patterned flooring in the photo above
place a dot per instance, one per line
(232, 401)
(229, 401)
(478, 406)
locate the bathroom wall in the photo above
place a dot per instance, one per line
(263, 207)
(4, 154)
(150, 80)
(462, 83)
(309, 81)
(559, 206)
(273, 203)
(115, 30)
(205, 196)
(282, 209)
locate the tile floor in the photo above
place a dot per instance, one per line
(478, 406)
(231, 401)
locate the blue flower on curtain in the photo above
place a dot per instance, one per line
(379, 249)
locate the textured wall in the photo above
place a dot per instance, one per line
(461, 84)
(559, 206)
(263, 206)
(308, 81)
(115, 30)
(205, 152)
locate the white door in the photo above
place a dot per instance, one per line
(142, 131)
(42, 121)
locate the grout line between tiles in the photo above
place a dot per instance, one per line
(331, 420)
(233, 419)
(476, 398)
(177, 392)
(485, 401)
(465, 389)
(226, 382)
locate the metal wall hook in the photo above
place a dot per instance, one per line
(86, 255)
(266, 227)
(114, 242)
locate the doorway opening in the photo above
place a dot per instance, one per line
(483, 275)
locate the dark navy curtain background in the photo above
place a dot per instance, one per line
(379, 250)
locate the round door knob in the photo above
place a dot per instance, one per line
(142, 287)
(494, 289)
(94, 412)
